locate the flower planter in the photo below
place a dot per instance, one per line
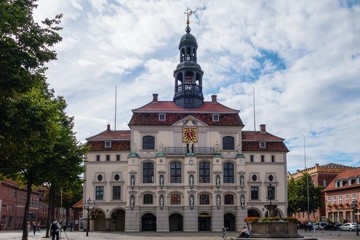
(278, 229)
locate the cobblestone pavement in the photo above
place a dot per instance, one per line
(320, 235)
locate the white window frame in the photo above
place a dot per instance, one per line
(216, 117)
(162, 117)
(107, 144)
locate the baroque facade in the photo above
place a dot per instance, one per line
(185, 164)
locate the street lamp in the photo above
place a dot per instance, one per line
(88, 206)
(354, 207)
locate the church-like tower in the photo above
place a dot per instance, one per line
(188, 74)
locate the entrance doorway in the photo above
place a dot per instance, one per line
(204, 222)
(148, 222)
(118, 220)
(229, 221)
(175, 222)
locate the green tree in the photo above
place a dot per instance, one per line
(37, 143)
(303, 195)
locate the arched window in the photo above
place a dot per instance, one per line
(204, 199)
(148, 142)
(148, 199)
(175, 172)
(229, 199)
(204, 172)
(228, 172)
(148, 172)
(228, 143)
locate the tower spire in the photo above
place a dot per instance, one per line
(188, 13)
(188, 74)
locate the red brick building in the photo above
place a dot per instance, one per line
(340, 194)
(321, 175)
(12, 204)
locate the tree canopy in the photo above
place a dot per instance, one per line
(303, 195)
(37, 142)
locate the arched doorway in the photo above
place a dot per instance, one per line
(175, 222)
(148, 222)
(99, 220)
(118, 220)
(230, 221)
(253, 213)
(204, 222)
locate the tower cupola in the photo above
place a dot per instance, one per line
(188, 74)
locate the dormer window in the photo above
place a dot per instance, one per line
(262, 144)
(215, 117)
(107, 144)
(162, 117)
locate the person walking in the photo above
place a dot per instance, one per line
(34, 228)
(55, 230)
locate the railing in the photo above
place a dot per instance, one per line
(184, 151)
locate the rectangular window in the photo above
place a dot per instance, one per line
(116, 192)
(262, 158)
(334, 199)
(229, 199)
(272, 158)
(251, 158)
(329, 199)
(176, 199)
(118, 157)
(340, 199)
(99, 193)
(148, 199)
(107, 144)
(162, 117)
(347, 200)
(353, 197)
(262, 144)
(97, 158)
(204, 172)
(107, 157)
(215, 117)
(175, 172)
(254, 193)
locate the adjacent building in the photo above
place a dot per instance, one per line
(185, 164)
(321, 175)
(342, 197)
(12, 205)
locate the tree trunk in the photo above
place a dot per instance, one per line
(25, 226)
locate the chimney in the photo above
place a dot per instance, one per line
(262, 128)
(213, 99)
(108, 128)
(155, 97)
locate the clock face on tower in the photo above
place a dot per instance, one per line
(190, 135)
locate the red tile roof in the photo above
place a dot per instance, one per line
(344, 176)
(98, 145)
(79, 204)
(169, 106)
(111, 135)
(257, 135)
(171, 118)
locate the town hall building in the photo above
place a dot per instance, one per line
(185, 164)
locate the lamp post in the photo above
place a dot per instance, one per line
(88, 206)
(354, 207)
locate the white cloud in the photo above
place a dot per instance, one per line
(133, 45)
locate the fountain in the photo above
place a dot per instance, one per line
(273, 226)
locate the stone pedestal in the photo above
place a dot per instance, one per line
(274, 230)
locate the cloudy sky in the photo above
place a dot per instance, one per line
(302, 58)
